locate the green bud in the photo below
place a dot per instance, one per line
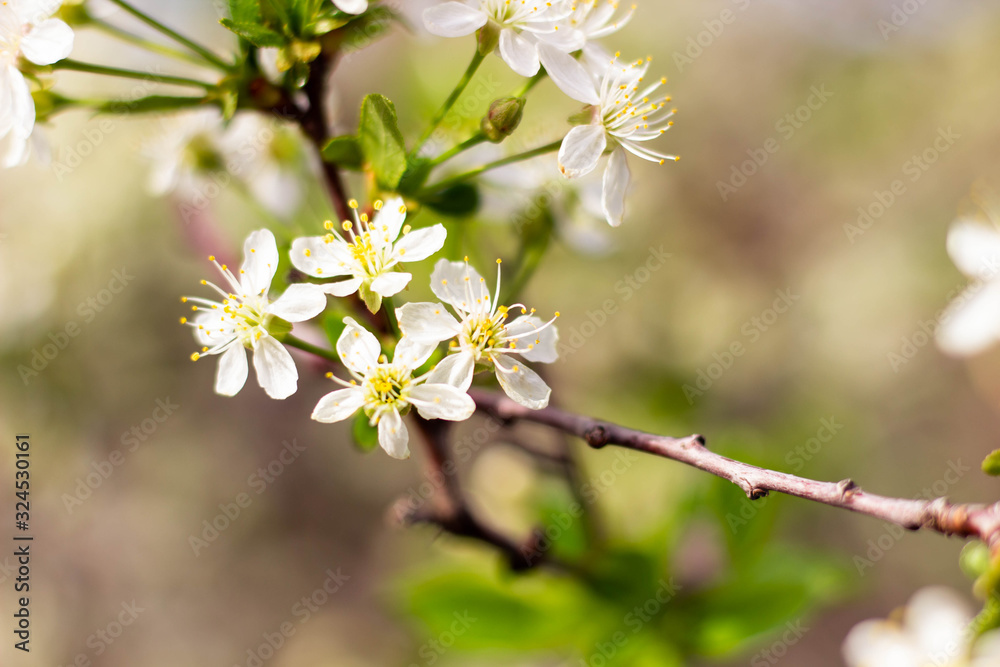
(488, 37)
(278, 327)
(503, 118)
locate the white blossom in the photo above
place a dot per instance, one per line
(594, 20)
(935, 630)
(351, 6)
(482, 334)
(247, 319)
(385, 391)
(972, 321)
(627, 116)
(530, 35)
(367, 252)
(26, 33)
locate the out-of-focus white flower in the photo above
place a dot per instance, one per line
(385, 391)
(247, 319)
(195, 154)
(530, 35)
(972, 321)
(26, 32)
(368, 257)
(352, 6)
(596, 19)
(482, 334)
(626, 117)
(933, 631)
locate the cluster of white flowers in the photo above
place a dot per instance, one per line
(936, 629)
(27, 33)
(622, 110)
(481, 335)
(972, 322)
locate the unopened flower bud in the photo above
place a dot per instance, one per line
(503, 118)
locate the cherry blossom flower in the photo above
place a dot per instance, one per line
(386, 391)
(972, 321)
(246, 319)
(596, 19)
(530, 35)
(367, 252)
(26, 33)
(935, 630)
(483, 335)
(626, 117)
(351, 6)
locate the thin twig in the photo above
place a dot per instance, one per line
(941, 516)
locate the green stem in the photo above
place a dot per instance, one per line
(76, 66)
(390, 313)
(209, 57)
(144, 43)
(520, 157)
(477, 60)
(462, 147)
(300, 344)
(531, 83)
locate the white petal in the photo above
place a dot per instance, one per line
(411, 354)
(460, 285)
(937, 618)
(520, 383)
(390, 219)
(260, 262)
(313, 256)
(520, 53)
(455, 369)
(534, 345)
(275, 368)
(581, 149)
(880, 644)
(212, 327)
(232, 372)
(972, 322)
(339, 405)
(343, 288)
(441, 401)
(14, 149)
(391, 283)
(352, 6)
(358, 348)
(975, 248)
(427, 322)
(299, 303)
(21, 107)
(392, 435)
(421, 244)
(567, 73)
(453, 19)
(616, 180)
(48, 42)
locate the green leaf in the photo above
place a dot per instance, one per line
(365, 435)
(255, 33)
(367, 28)
(344, 151)
(381, 140)
(457, 201)
(991, 464)
(417, 171)
(244, 11)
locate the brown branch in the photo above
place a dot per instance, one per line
(940, 515)
(453, 513)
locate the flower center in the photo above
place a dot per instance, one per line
(249, 318)
(385, 387)
(485, 333)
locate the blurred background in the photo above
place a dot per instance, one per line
(845, 382)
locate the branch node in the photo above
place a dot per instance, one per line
(847, 489)
(694, 441)
(596, 436)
